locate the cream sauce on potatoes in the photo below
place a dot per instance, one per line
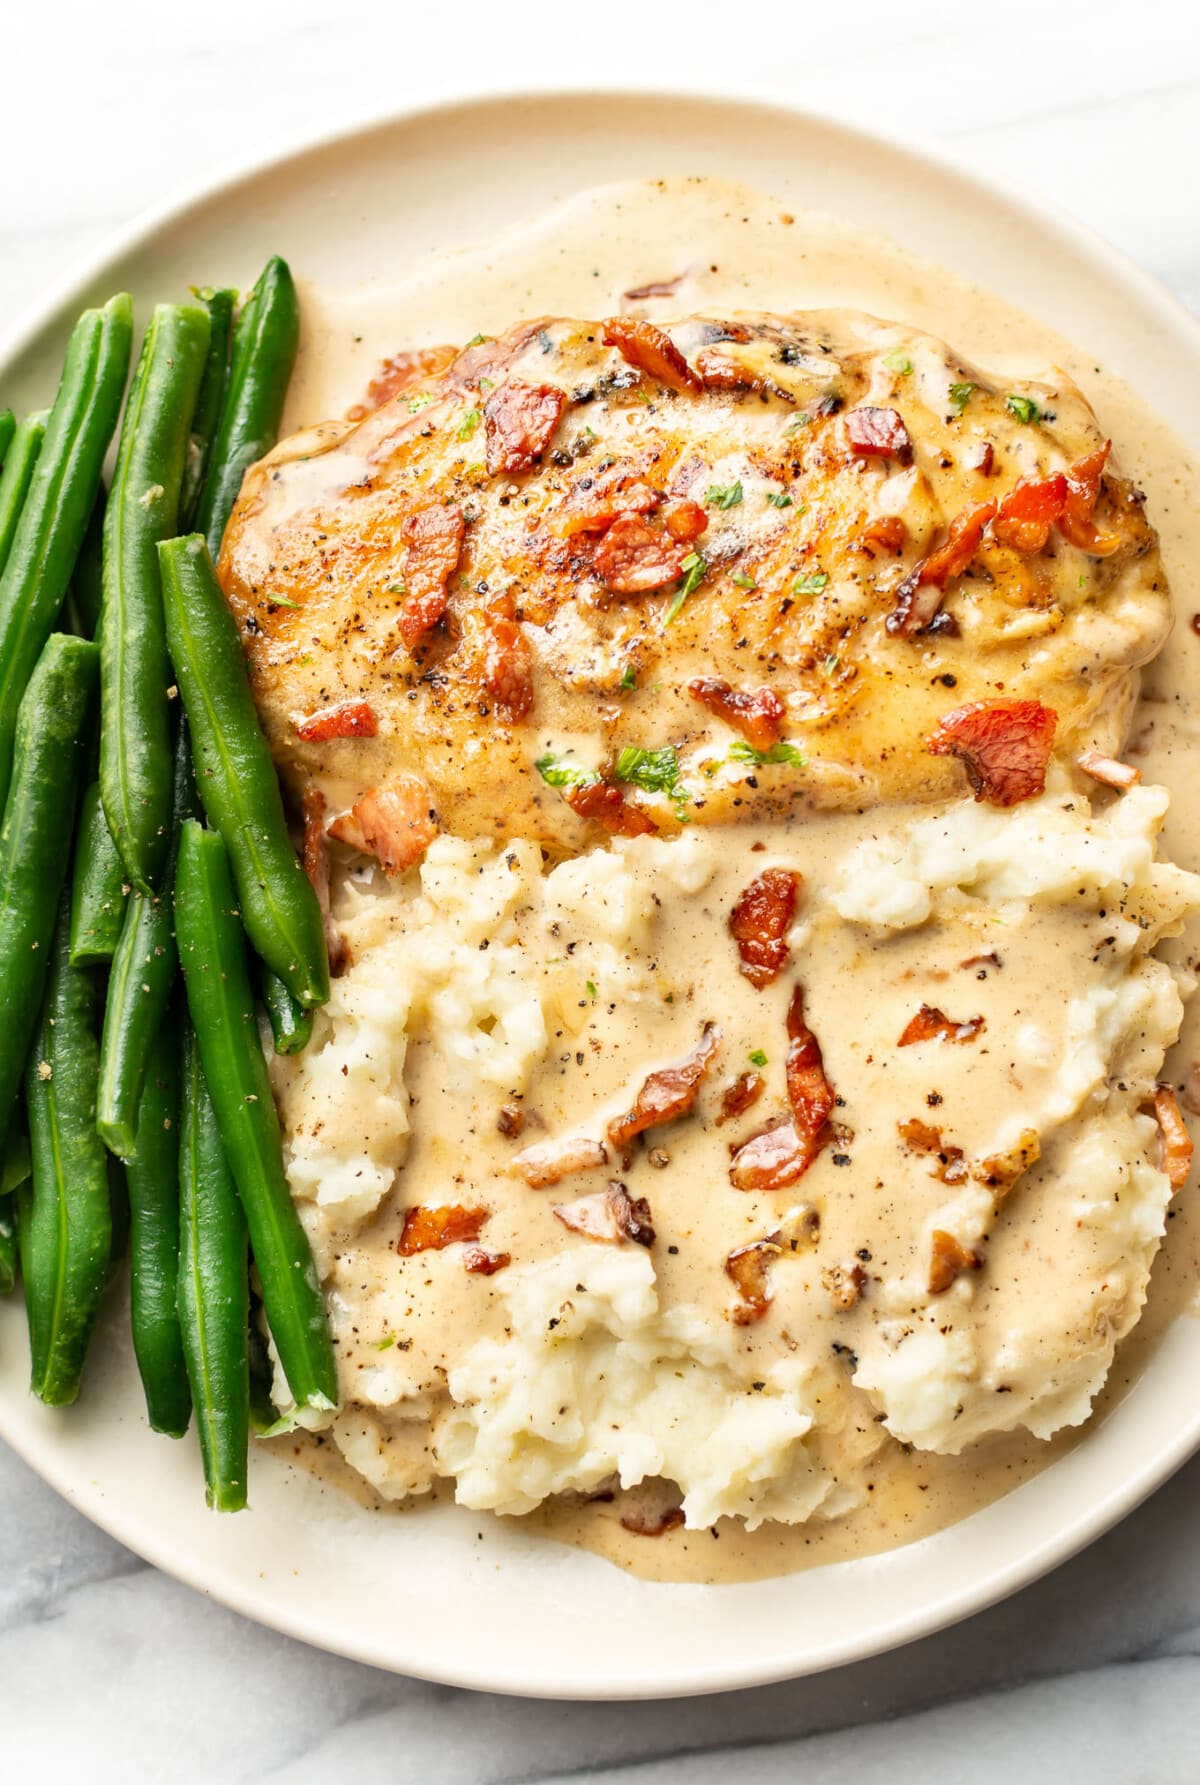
(736, 251)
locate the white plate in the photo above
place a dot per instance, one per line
(447, 1594)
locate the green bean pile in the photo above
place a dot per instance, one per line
(135, 1102)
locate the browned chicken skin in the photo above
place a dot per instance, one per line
(769, 535)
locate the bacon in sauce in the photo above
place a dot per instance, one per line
(998, 1172)
(1024, 518)
(394, 823)
(1083, 490)
(809, 1091)
(411, 366)
(887, 531)
(920, 594)
(510, 1120)
(771, 1159)
(878, 433)
(351, 719)
(652, 351)
(435, 537)
(653, 1524)
(760, 921)
(740, 1095)
(748, 1269)
(1108, 771)
(654, 288)
(948, 1259)
(610, 1215)
(507, 666)
(480, 1263)
(932, 1024)
(632, 557)
(1004, 746)
(607, 806)
(922, 1137)
(665, 1095)
(549, 1161)
(595, 509)
(519, 422)
(758, 714)
(844, 1284)
(1176, 1141)
(432, 1230)
(685, 521)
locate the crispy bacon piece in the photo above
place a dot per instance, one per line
(948, 1260)
(740, 1095)
(654, 289)
(652, 351)
(845, 1284)
(519, 421)
(920, 594)
(1108, 770)
(665, 1095)
(549, 1161)
(748, 1269)
(757, 714)
(1176, 1141)
(611, 1215)
(653, 1524)
(770, 1159)
(1083, 489)
(721, 371)
(878, 433)
(435, 537)
(485, 1264)
(932, 1024)
(607, 806)
(1026, 515)
(685, 521)
(633, 557)
(394, 823)
(352, 719)
(1004, 745)
(507, 666)
(594, 510)
(510, 1120)
(922, 1137)
(998, 1172)
(431, 1230)
(315, 857)
(809, 1091)
(760, 921)
(982, 459)
(888, 532)
(412, 365)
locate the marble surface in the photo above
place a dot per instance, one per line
(106, 1665)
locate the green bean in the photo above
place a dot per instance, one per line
(16, 476)
(34, 846)
(99, 889)
(8, 427)
(235, 774)
(87, 578)
(152, 1174)
(15, 1164)
(291, 1026)
(65, 1221)
(142, 509)
(55, 515)
(210, 402)
(214, 1297)
(265, 339)
(212, 950)
(139, 985)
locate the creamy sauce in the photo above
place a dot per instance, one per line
(738, 250)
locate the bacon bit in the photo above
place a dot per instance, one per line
(610, 1215)
(809, 1091)
(748, 1268)
(771, 1159)
(1004, 745)
(998, 1172)
(432, 1230)
(740, 1095)
(519, 421)
(352, 719)
(1083, 489)
(983, 460)
(845, 1283)
(1026, 515)
(913, 611)
(594, 511)
(632, 557)
(878, 433)
(548, 1161)
(799, 1230)
(652, 351)
(760, 921)
(758, 715)
(665, 1095)
(923, 1138)
(507, 666)
(932, 1024)
(685, 521)
(412, 366)
(607, 806)
(888, 532)
(1108, 770)
(948, 1260)
(652, 1524)
(435, 537)
(989, 959)
(394, 823)
(510, 1120)
(1176, 1142)
(719, 372)
(655, 289)
(485, 1264)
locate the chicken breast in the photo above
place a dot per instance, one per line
(606, 576)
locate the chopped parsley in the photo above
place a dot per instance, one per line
(725, 495)
(422, 400)
(400, 588)
(793, 427)
(1024, 408)
(654, 771)
(628, 678)
(758, 1058)
(960, 396)
(743, 579)
(469, 423)
(789, 754)
(810, 583)
(589, 986)
(898, 362)
(386, 1343)
(695, 569)
(779, 499)
(478, 340)
(282, 601)
(556, 772)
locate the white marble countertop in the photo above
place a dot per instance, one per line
(111, 1671)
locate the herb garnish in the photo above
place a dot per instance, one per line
(811, 583)
(695, 568)
(628, 678)
(557, 772)
(789, 754)
(469, 423)
(1024, 408)
(898, 362)
(654, 771)
(793, 427)
(589, 986)
(422, 400)
(960, 396)
(779, 499)
(724, 495)
(743, 579)
(758, 1058)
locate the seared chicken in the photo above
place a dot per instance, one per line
(607, 574)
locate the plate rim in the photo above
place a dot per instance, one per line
(71, 289)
